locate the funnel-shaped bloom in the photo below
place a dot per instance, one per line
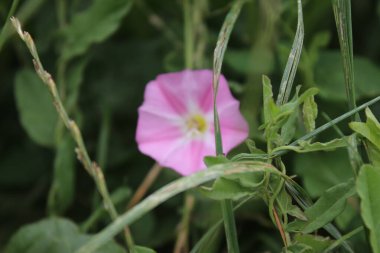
(176, 124)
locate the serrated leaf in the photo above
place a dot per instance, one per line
(310, 113)
(93, 25)
(36, 111)
(307, 146)
(61, 193)
(368, 187)
(327, 207)
(53, 235)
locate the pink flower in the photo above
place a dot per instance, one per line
(176, 125)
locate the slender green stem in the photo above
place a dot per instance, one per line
(188, 34)
(343, 239)
(220, 49)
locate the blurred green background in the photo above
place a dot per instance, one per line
(102, 54)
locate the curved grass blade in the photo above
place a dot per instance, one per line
(170, 190)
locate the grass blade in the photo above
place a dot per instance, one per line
(220, 49)
(170, 190)
(294, 57)
(6, 24)
(342, 13)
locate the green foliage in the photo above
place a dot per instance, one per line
(62, 191)
(328, 206)
(281, 116)
(226, 189)
(93, 25)
(37, 115)
(371, 131)
(309, 244)
(140, 249)
(307, 146)
(53, 235)
(130, 47)
(330, 79)
(310, 113)
(368, 187)
(319, 176)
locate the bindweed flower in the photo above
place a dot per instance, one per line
(176, 124)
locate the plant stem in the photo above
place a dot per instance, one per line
(220, 49)
(91, 167)
(182, 244)
(145, 185)
(188, 34)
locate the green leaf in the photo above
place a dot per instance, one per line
(215, 160)
(307, 146)
(310, 113)
(330, 79)
(284, 201)
(93, 25)
(61, 193)
(240, 60)
(317, 243)
(36, 110)
(141, 249)
(270, 109)
(75, 75)
(298, 248)
(370, 129)
(373, 154)
(225, 189)
(319, 176)
(327, 207)
(368, 187)
(53, 235)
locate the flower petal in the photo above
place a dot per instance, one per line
(233, 126)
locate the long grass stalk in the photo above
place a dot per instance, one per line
(220, 49)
